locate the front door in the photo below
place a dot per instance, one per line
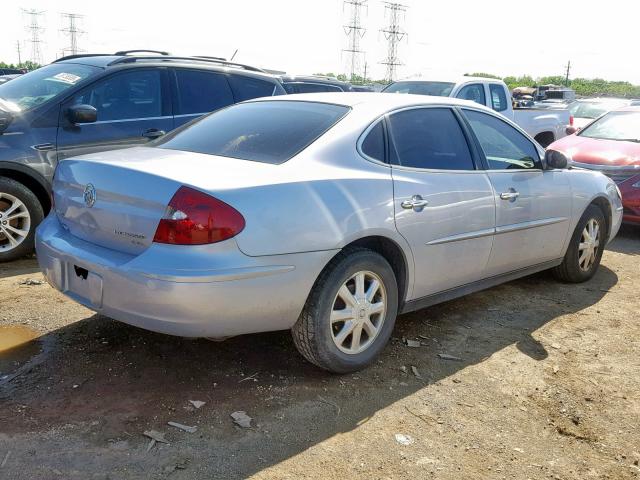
(533, 205)
(134, 107)
(444, 204)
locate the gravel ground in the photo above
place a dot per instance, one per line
(545, 385)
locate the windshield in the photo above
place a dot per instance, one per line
(615, 126)
(269, 132)
(438, 89)
(592, 109)
(34, 88)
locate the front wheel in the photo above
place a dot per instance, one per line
(583, 256)
(20, 214)
(350, 312)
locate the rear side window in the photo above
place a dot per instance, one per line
(373, 143)
(498, 97)
(269, 132)
(429, 138)
(310, 88)
(474, 92)
(201, 92)
(503, 146)
(246, 88)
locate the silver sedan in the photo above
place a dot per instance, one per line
(326, 214)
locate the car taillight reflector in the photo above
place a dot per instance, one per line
(571, 120)
(195, 218)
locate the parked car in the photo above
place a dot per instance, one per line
(12, 71)
(284, 213)
(585, 110)
(313, 84)
(544, 126)
(6, 78)
(611, 145)
(89, 103)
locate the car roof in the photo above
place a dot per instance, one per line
(450, 79)
(385, 101)
(632, 108)
(312, 78)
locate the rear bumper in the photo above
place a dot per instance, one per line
(200, 291)
(631, 200)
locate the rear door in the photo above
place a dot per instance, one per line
(443, 202)
(198, 92)
(134, 107)
(533, 206)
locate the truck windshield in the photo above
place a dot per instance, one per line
(34, 88)
(622, 126)
(438, 89)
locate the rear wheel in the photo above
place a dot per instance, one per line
(350, 312)
(20, 213)
(583, 256)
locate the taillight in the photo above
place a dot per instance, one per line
(571, 120)
(195, 218)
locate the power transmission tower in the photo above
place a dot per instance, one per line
(394, 34)
(566, 78)
(34, 29)
(354, 31)
(19, 52)
(73, 32)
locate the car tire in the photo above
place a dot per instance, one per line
(319, 333)
(583, 256)
(26, 214)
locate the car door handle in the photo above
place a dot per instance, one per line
(153, 133)
(511, 195)
(417, 203)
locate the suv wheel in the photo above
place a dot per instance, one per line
(350, 312)
(583, 256)
(20, 213)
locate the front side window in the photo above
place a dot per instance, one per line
(428, 138)
(474, 92)
(267, 131)
(498, 97)
(124, 96)
(201, 92)
(34, 88)
(438, 89)
(246, 88)
(621, 126)
(504, 147)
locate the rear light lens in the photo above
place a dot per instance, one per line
(571, 120)
(195, 218)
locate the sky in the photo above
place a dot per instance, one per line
(444, 37)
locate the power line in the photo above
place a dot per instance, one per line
(394, 34)
(73, 32)
(354, 31)
(34, 29)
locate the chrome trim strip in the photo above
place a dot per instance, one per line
(463, 236)
(126, 120)
(182, 115)
(527, 225)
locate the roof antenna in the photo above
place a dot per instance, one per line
(233, 56)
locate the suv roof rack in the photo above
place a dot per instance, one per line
(127, 52)
(171, 58)
(81, 55)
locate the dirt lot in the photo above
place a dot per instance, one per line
(547, 385)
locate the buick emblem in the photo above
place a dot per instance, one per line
(89, 195)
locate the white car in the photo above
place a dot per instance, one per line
(545, 126)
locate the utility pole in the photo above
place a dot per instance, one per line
(394, 34)
(72, 32)
(364, 79)
(34, 29)
(19, 53)
(354, 31)
(566, 79)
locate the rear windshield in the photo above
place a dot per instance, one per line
(438, 89)
(269, 132)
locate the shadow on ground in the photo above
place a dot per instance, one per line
(120, 380)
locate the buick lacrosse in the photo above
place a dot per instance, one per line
(327, 214)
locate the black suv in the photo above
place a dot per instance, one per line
(88, 103)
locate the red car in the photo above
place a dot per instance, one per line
(611, 145)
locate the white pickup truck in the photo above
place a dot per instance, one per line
(545, 126)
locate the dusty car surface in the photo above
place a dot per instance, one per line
(327, 214)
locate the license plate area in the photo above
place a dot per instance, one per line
(84, 285)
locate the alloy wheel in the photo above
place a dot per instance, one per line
(358, 312)
(589, 243)
(15, 222)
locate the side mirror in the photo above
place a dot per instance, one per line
(5, 119)
(570, 130)
(82, 114)
(555, 160)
